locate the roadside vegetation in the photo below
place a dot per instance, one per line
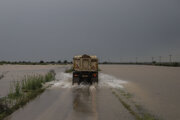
(136, 110)
(21, 92)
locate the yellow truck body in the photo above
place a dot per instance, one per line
(85, 69)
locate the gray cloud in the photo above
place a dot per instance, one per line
(111, 29)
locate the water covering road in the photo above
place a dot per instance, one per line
(62, 101)
(155, 88)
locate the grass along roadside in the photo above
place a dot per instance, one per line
(136, 110)
(21, 92)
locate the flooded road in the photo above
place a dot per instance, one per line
(73, 104)
(62, 101)
(155, 88)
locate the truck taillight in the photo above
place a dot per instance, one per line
(75, 75)
(94, 75)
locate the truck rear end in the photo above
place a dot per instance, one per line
(85, 69)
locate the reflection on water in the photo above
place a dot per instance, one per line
(84, 100)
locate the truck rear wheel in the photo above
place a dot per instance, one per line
(75, 80)
(95, 81)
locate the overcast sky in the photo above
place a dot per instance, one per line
(111, 29)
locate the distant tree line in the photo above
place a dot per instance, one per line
(173, 64)
(41, 62)
(59, 62)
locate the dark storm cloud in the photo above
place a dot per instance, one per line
(111, 29)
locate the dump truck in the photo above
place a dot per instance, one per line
(85, 69)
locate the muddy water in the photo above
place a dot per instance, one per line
(62, 101)
(156, 88)
(17, 72)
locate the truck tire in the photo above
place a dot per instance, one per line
(95, 80)
(75, 80)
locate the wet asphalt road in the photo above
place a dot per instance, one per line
(75, 103)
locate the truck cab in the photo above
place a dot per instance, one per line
(85, 69)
